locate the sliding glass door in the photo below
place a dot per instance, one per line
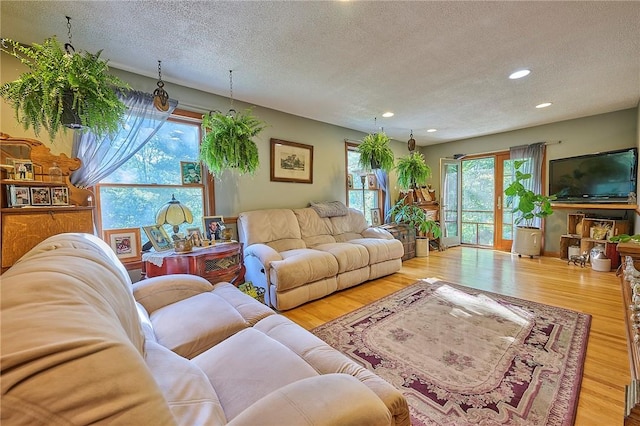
(450, 202)
(472, 204)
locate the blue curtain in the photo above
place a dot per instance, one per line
(100, 157)
(534, 154)
(383, 184)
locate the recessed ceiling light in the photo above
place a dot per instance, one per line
(543, 105)
(432, 130)
(519, 74)
(387, 114)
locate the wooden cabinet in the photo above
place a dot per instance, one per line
(26, 222)
(221, 262)
(586, 232)
(630, 281)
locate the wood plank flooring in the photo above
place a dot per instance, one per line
(544, 280)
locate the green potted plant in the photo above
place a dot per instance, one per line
(527, 239)
(227, 142)
(72, 89)
(375, 152)
(418, 221)
(412, 171)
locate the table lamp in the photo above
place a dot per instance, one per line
(175, 214)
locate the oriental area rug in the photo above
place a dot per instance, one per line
(466, 357)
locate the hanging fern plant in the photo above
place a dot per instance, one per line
(59, 82)
(227, 142)
(375, 152)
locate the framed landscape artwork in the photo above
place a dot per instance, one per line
(291, 162)
(125, 243)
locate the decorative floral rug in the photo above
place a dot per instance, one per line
(463, 356)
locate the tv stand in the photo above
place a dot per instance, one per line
(595, 206)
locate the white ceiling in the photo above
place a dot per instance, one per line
(435, 64)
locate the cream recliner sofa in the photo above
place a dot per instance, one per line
(78, 349)
(297, 256)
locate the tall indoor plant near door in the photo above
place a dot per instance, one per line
(63, 88)
(527, 238)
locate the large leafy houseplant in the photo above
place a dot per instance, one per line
(530, 205)
(415, 217)
(412, 171)
(227, 142)
(375, 152)
(61, 84)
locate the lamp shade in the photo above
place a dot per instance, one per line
(174, 213)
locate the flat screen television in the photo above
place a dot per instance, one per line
(605, 177)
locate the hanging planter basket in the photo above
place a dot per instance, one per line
(227, 143)
(375, 152)
(59, 81)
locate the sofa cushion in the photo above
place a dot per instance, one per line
(352, 223)
(313, 228)
(349, 256)
(241, 377)
(187, 390)
(193, 325)
(264, 226)
(302, 266)
(380, 250)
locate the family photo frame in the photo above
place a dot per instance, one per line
(18, 196)
(40, 196)
(213, 226)
(196, 236)
(125, 243)
(291, 162)
(22, 169)
(158, 237)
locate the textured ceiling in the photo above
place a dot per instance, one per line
(440, 65)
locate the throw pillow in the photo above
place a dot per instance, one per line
(329, 208)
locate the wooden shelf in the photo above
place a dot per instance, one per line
(595, 206)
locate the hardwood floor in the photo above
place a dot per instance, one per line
(545, 280)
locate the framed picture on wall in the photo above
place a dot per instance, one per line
(291, 162)
(372, 181)
(191, 172)
(125, 243)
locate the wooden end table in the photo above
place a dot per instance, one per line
(217, 263)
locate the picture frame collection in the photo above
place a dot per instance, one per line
(37, 196)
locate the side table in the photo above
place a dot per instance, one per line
(220, 262)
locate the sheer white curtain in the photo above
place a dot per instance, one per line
(534, 154)
(100, 157)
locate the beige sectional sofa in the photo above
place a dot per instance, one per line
(297, 256)
(78, 348)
